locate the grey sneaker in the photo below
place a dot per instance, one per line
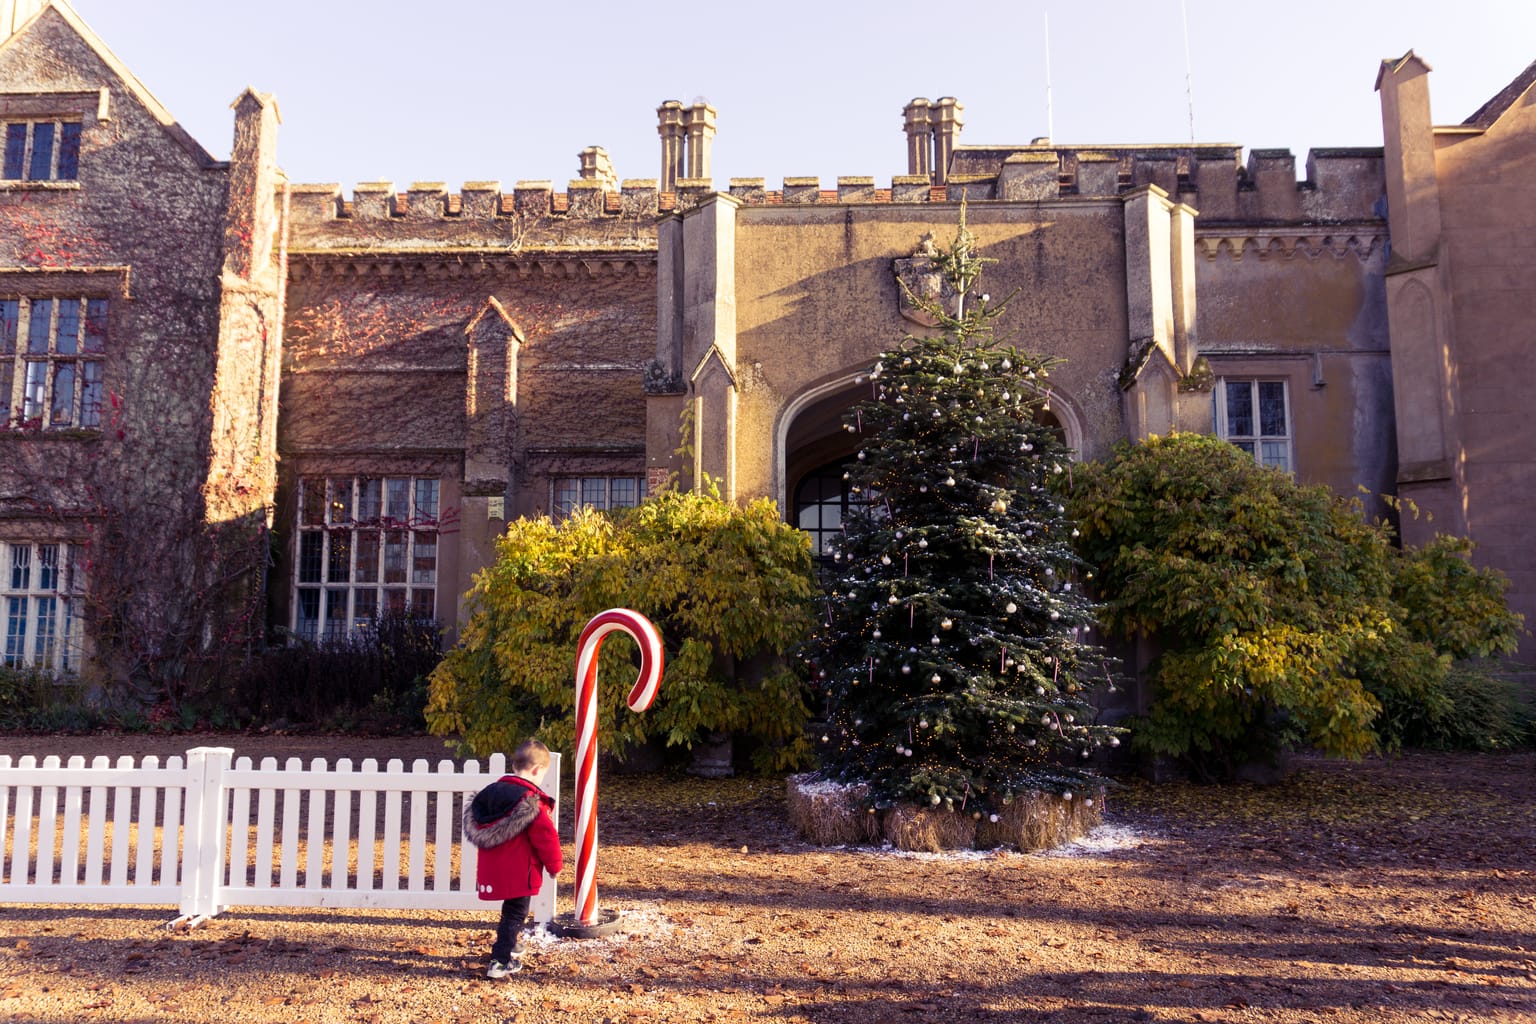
(497, 969)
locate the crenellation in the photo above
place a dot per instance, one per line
(373, 200)
(315, 202)
(1345, 184)
(481, 200)
(1274, 195)
(801, 190)
(1097, 174)
(639, 197)
(425, 200)
(1216, 180)
(585, 198)
(909, 188)
(856, 190)
(751, 191)
(967, 188)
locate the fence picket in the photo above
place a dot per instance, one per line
(292, 795)
(341, 828)
(70, 866)
(96, 827)
(391, 851)
(266, 802)
(5, 813)
(416, 878)
(446, 802)
(144, 858)
(314, 832)
(170, 832)
(122, 817)
(367, 809)
(21, 846)
(47, 826)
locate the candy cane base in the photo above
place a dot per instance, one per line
(567, 926)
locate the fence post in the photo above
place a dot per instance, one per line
(202, 856)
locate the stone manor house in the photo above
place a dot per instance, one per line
(233, 402)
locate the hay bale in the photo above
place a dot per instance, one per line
(830, 813)
(928, 830)
(1039, 821)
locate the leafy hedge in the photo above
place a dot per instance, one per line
(1282, 617)
(728, 586)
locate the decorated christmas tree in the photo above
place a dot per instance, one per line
(955, 654)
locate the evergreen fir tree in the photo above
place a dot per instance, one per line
(954, 654)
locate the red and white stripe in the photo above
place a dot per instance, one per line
(640, 697)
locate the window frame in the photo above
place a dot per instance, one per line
(392, 521)
(1259, 438)
(31, 370)
(587, 484)
(64, 148)
(48, 590)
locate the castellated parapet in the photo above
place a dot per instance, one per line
(590, 213)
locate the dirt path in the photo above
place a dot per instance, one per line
(1400, 890)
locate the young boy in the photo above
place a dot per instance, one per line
(509, 821)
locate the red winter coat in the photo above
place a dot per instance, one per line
(509, 821)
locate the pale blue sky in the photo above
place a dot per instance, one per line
(485, 90)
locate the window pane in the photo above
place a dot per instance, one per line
(338, 567)
(367, 557)
(21, 566)
(7, 385)
(423, 604)
(69, 151)
(1272, 408)
(37, 326)
(34, 390)
(1275, 453)
(1246, 446)
(42, 151)
(424, 561)
(43, 642)
(394, 556)
(341, 499)
(566, 492)
(311, 548)
(370, 500)
(335, 614)
(63, 395)
(594, 492)
(47, 567)
(623, 492)
(90, 394)
(365, 607)
(15, 150)
(426, 502)
(311, 501)
(96, 325)
(10, 312)
(1239, 409)
(307, 620)
(67, 332)
(15, 630)
(394, 603)
(397, 500)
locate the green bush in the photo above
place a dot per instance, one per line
(1282, 617)
(729, 588)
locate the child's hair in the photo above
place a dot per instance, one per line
(531, 754)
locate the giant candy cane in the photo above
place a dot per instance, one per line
(649, 640)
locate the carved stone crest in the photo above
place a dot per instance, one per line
(920, 286)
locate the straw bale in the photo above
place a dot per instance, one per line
(1038, 821)
(829, 813)
(925, 829)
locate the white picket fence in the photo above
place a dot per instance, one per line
(208, 833)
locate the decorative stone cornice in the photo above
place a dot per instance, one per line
(454, 265)
(1237, 242)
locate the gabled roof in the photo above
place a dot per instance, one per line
(1494, 109)
(146, 99)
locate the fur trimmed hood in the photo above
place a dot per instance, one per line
(500, 812)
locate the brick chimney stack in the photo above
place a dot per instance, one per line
(687, 134)
(932, 130)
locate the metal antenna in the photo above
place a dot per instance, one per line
(1050, 127)
(1189, 78)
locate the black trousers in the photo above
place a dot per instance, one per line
(513, 913)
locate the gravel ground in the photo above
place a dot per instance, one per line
(1385, 891)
